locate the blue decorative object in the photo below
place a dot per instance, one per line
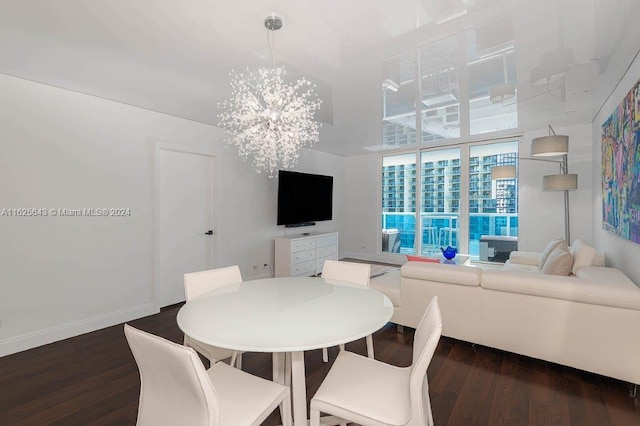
(449, 252)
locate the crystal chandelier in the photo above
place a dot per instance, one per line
(267, 118)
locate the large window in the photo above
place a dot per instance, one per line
(460, 204)
(442, 193)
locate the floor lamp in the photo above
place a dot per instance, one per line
(541, 148)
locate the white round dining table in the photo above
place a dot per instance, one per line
(285, 315)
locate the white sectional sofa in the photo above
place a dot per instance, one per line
(589, 320)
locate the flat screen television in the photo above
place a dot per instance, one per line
(304, 198)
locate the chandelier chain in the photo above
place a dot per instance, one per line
(272, 46)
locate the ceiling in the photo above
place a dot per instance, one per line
(175, 56)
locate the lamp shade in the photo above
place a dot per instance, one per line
(548, 146)
(563, 182)
(503, 172)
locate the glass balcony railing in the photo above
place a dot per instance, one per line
(442, 229)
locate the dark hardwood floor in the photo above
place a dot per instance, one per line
(93, 380)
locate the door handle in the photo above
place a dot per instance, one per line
(209, 232)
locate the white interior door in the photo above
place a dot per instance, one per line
(186, 241)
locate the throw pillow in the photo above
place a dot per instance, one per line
(411, 258)
(583, 254)
(559, 261)
(547, 251)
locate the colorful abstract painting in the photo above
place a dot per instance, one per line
(621, 168)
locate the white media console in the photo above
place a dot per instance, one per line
(304, 255)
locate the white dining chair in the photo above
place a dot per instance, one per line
(369, 392)
(198, 283)
(175, 388)
(351, 272)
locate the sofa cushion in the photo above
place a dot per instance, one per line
(512, 266)
(441, 272)
(583, 254)
(598, 260)
(595, 285)
(547, 251)
(559, 261)
(525, 258)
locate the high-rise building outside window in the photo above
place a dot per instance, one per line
(439, 214)
(493, 204)
(399, 203)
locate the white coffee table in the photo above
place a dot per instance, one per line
(285, 315)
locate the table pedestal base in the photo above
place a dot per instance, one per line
(288, 369)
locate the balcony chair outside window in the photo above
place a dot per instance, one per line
(198, 283)
(447, 233)
(351, 272)
(429, 232)
(175, 388)
(369, 392)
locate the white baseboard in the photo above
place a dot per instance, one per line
(60, 332)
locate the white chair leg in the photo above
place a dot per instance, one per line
(370, 346)
(233, 359)
(285, 411)
(315, 417)
(342, 347)
(325, 355)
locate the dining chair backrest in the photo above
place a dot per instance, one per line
(352, 272)
(197, 283)
(425, 341)
(175, 388)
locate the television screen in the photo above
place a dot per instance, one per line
(304, 198)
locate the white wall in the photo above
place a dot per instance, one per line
(64, 276)
(363, 199)
(619, 253)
